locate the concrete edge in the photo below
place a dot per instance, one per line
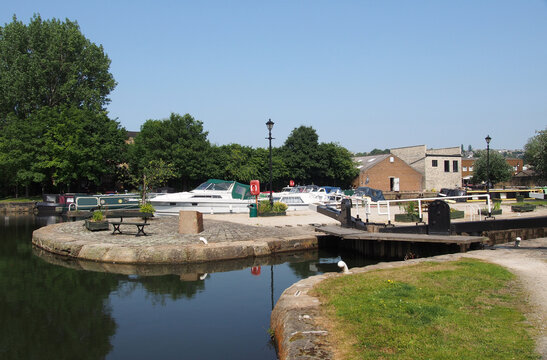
(56, 242)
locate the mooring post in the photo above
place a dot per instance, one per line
(345, 213)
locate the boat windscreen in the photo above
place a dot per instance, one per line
(215, 185)
(241, 191)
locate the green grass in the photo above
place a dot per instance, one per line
(21, 199)
(459, 310)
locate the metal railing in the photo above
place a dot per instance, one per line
(387, 204)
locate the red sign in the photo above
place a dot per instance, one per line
(255, 187)
(291, 183)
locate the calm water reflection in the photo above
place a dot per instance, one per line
(55, 308)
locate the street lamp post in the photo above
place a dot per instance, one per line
(270, 125)
(488, 138)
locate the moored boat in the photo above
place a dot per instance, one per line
(213, 196)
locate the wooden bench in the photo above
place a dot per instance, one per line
(140, 225)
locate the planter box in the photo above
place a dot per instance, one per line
(407, 218)
(523, 208)
(494, 212)
(96, 225)
(457, 214)
(273, 214)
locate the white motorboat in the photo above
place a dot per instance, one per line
(300, 197)
(212, 197)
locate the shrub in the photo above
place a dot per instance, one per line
(98, 215)
(147, 208)
(279, 207)
(410, 208)
(264, 206)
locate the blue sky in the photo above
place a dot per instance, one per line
(365, 74)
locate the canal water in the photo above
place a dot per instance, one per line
(56, 308)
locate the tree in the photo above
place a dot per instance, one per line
(336, 164)
(49, 63)
(500, 170)
(81, 145)
(179, 141)
(155, 174)
(300, 153)
(54, 85)
(535, 153)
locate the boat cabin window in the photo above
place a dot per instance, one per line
(214, 186)
(208, 196)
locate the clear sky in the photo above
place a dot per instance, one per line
(365, 74)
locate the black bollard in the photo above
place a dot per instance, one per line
(345, 213)
(439, 218)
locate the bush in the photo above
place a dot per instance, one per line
(147, 208)
(97, 215)
(278, 207)
(264, 206)
(410, 208)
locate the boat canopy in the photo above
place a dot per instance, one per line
(239, 191)
(374, 194)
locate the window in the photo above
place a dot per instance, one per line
(454, 165)
(447, 166)
(471, 168)
(434, 163)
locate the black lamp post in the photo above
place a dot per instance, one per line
(488, 138)
(270, 125)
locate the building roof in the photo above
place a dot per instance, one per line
(132, 134)
(366, 162)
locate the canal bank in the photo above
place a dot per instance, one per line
(220, 240)
(302, 331)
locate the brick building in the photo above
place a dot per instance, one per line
(387, 172)
(440, 168)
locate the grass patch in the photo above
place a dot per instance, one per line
(458, 310)
(21, 199)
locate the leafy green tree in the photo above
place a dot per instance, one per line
(300, 153)
(536, 153)
(82, 145)
(54, 85)
(48, 63)
(155, 174)
(336, 164)
(243, 164)
(500, 170)
(22, 146)
(179, 141)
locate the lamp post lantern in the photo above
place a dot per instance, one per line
(270, 125)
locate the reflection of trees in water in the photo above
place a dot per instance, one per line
(161, 288)
(49, 311)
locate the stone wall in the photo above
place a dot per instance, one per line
(437, 178)
(505, 236)
(16, 208)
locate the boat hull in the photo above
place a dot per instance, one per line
(205, 207)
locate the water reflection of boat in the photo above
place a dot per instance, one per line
(213, 196)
